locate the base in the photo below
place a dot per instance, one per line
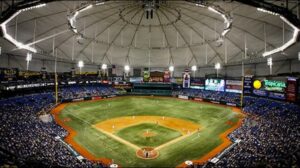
(147, 153)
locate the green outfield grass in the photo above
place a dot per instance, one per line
(212, 119)
(135, 134)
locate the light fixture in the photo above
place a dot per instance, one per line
(74, 14)
(99, 3)
(33, 7)
(194, 68)
(80, 64)
(10, 38)
(126, 68)
(299, 56)
(217, 66)
(270, 61)
(104, 66)
(85, 8)
(267, 11)
(227, 18)
(288, 43)
(28, 57)
(171, 68)
(200, 5)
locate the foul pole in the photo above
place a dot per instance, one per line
(242, 94)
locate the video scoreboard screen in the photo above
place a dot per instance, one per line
(215, 84)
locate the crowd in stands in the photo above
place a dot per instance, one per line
(270, 135)
(26, 140)
(76, 91)
(210, 95)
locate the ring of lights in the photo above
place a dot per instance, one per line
(9, 38)
(213, 8)
(216, 9)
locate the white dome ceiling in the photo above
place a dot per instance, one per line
(180, 33)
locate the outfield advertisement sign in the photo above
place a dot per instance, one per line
(231, 104)
(183, 97)
(291, 90)
(197, 83)
(248, 85)
(198, 99)
(260, 93)
(234, 86)
(277, 86)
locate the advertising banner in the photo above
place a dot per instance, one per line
(7, 74)
(197, 83)
(234, 86)
(183, 97)
(248, 85)
(291, 90)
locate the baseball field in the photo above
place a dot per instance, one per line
(147, 131)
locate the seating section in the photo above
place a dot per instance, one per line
(25, 140)
(270, 134)
(76, 91)
(210, 95)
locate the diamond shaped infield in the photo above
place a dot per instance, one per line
(147, 131)
(148, 134)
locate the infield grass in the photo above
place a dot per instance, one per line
(148, 134)
(213, 120)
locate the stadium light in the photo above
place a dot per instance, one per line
(171, 68)
(194, 68)
(126, 68)
(80, 65)
(28, 59)
(104, 66)
(217, 67)
(270, 63)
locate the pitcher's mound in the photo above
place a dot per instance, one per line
(149, 134)
(147, 153)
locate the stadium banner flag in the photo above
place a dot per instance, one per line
(113, 70)
(146, 75)
(186, 81)
(167, 76)
(291, 90)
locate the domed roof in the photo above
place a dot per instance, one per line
(180, 33)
